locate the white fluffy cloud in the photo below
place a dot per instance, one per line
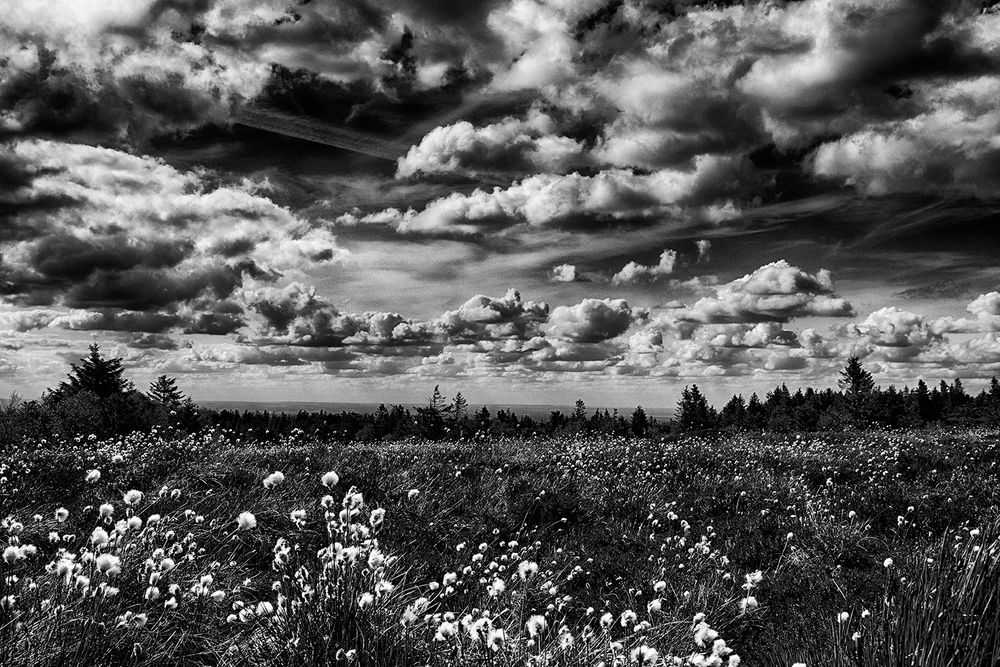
(775, 292)
(115, 71)
(511, 145)
(566, 273)
(949, 148)
(985, 311)
(592, 320)
(539, 42)
(610, 197)
(895, 334)
(634, 272)
(114, 233)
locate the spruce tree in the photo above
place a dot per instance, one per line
(459, 408)
(640, 422)
(165, 393)
(102, 377)
(858, 388)
(693, 411)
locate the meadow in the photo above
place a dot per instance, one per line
(168, 548)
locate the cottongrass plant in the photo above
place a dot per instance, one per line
(946, 614)
(339, 603)
(349, 603)
(129, 591)
(569, 552)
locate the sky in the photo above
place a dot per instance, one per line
(529, 201)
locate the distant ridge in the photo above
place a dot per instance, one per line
(532, 410)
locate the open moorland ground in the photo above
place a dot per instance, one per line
(163, 549)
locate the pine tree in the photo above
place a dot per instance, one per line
(459, 408)
(855, 379)
(693, 411)
(639, 423)
(992, 407)
(925, 407)
(734, 414)
(432, 417)
(756, 414)
(858, 388)
(100, 376)
(579, 411)
(164, 392)
(438, 402)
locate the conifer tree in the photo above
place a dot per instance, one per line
(693, 411)
(640, 422)
(858, 387)
(459, 408)
(100, 376)
(432, 417)
(164, 392)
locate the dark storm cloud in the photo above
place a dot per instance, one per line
(216, 318)
(152, 341)
(866, 61)
(134, 243)
(144, 289)
(54, 99)
(68, 258)
(106, 319)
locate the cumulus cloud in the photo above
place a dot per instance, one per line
(296, 315)
(895, 334)
(507, 316)
(567, 273)
(114, 71)
(948, 148)
(985, 311)
(592, 320)
(511, 145)
(131, 242)
(26, 320)
(775, 292)
(634, 272)
(538, 41)
(841, 61)
(611, 197)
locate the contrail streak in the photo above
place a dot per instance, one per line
(300, 127)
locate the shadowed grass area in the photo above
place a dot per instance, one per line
(495, 551)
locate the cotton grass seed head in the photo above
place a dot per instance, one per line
(274, 479)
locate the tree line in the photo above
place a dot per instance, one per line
(97, 399)
(859, 404)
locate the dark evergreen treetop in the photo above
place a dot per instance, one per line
(164, 391)
(100, 376)
(855, 378)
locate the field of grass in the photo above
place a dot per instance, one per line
(855, 549)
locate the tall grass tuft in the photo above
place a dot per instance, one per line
(946, 614)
